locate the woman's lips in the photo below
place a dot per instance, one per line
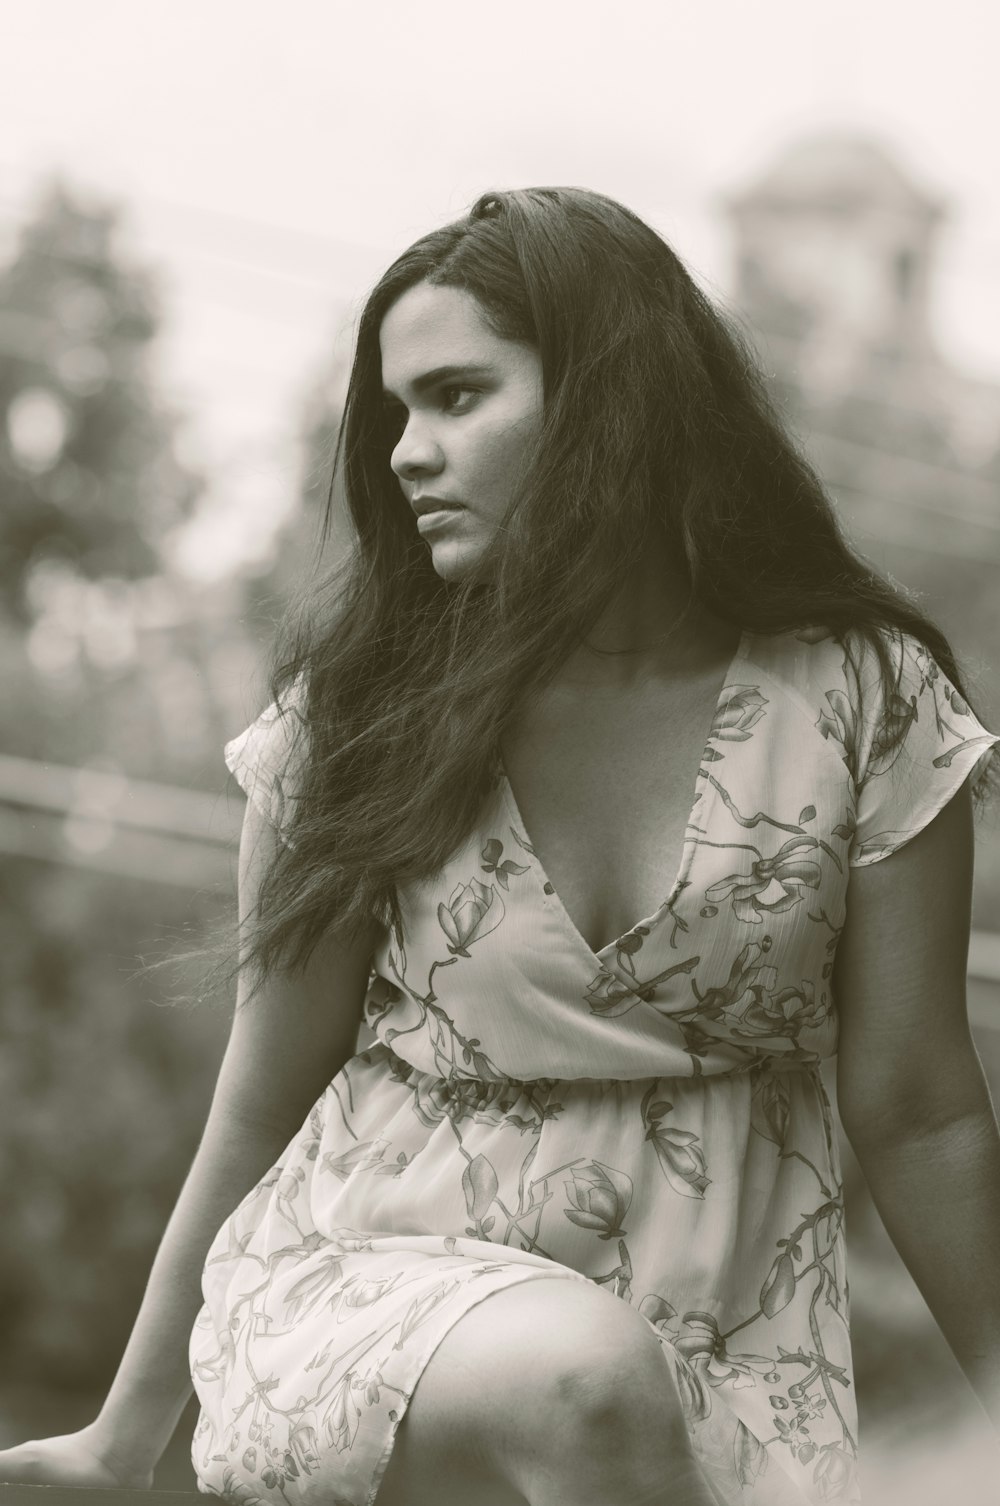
(438, 518)
(430, 503)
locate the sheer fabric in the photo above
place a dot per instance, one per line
(650, 1117)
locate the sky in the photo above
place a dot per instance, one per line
(272, 158)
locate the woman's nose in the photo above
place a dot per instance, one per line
(416, 453)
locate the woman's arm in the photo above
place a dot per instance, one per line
(912, 1095)
(285, 1046)
(153, 1382)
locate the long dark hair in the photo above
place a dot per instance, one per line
(655, 417)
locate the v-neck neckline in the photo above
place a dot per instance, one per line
(687, 849)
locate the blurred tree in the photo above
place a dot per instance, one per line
(109, 663)
(88, 469)
(296, 555)
(105, 1095)
(114, 656)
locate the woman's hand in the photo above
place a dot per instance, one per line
(81, 1459)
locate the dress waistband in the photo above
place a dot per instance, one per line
(485, 1091)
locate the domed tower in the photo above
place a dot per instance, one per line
(834, 250)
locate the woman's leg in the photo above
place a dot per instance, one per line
(552, 1393)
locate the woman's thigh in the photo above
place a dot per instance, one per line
(495, 1394)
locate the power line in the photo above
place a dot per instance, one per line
(199, 254)
(865, 397)
(314, 242)
(764, 340)
(346, 294)
(944, 541)
(16, 341)
(987, 491)
(217, 299)
(325, 245)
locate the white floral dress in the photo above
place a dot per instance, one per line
(649, 1117)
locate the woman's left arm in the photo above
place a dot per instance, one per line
(910, 1086)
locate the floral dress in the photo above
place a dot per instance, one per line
(650, 1117)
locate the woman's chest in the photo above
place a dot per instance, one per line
(741, 819)
(605, 797)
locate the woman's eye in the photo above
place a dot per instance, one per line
(458, 399)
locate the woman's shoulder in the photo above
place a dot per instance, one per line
(267, 756)
(823, 687)
(802, 664)
(877, 697)
(812, 661)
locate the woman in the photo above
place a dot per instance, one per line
(606, 789)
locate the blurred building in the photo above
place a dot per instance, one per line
(834, 259)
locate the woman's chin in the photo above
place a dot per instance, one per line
(454, 560)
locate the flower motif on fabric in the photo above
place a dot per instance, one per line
(472, 911)
(609, 996)
(839, 722)
(740, 709)
(318, 1287)
(303, 1445)
(601, 1198)
(680, 1154)
(627, 946)
(772, 884)
(342, 1415)
(770, 1105)
(422, 1308)
(382, 996)
(490, 859)
(454, 1098)
(480, 1186)
(833, 1471)
(705, 1349)
(694, 1396)
(887, 744)
(748, 980)
(784, 1013)
(749, 1455)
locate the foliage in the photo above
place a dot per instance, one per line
(107, 663)
(88, 468)
(105, 1094)
(271, 593)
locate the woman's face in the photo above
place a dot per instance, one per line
(468, 406)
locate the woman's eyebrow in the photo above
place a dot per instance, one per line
(440, 374)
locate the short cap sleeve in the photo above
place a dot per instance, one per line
(266, 757)
(901, 789)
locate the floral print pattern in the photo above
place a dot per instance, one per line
(650, 1118)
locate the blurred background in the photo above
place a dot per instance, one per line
(194, 201)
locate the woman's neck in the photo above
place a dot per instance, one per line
(651, 630)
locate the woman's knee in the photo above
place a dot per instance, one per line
(606, 1404)
(546, 1365)
(574, 1352)
(621, 1378)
